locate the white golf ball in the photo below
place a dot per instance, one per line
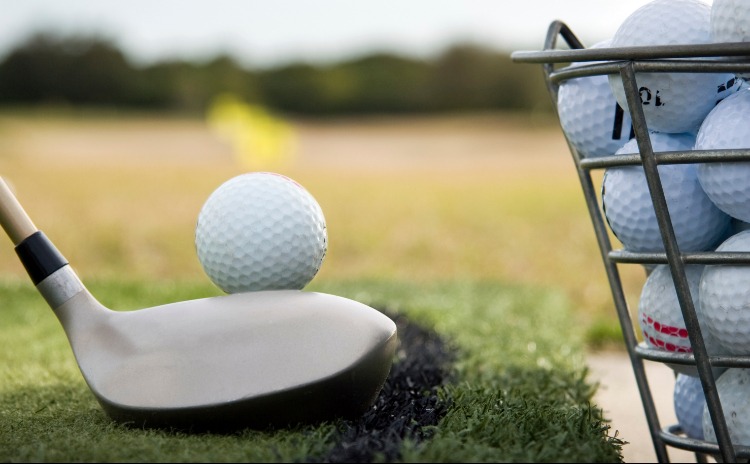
(689, 403)
(698, 224)
(671, 102)
(727, 183)
(660, 315)
(593, 121)
(730, 22)
(725, 298)
(733, 387)
(261, 231)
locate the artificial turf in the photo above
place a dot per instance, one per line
(486, 372)
(409, 405)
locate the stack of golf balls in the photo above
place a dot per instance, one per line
(708, 203)
(261, 231)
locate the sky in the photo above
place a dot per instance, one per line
(273, 32)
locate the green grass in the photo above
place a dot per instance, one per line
(520, 391)
(603, 334)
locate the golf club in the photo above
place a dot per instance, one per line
(253, 359)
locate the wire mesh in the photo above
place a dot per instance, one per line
(555, 59)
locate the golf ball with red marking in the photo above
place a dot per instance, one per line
(261, 231)
(660, 315)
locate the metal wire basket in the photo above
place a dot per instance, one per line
(627, 61)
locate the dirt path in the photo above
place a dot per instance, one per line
(618, 396)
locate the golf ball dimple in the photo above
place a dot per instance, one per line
(727, 183)
(671, 102)
(733, 387)
(261, 231)
(698, 224)
(689, 403)
(725, 298)
(591, 118)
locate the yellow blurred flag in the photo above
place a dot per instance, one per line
(259, 139)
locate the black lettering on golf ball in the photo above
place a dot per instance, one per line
(646, 92)
(725, 88)
(618, 124)
(726, 85)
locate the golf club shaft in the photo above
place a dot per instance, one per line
(36, 252)
(13, 218)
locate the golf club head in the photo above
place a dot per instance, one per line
(253, 359)
(245, 359)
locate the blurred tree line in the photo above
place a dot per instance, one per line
(94, 71)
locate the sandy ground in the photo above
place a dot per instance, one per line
(619, 398)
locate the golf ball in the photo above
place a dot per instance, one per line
(660, 315)
(730, 22)
(689, 403)
(733, 387)
(591, 118)
(727, 183)
(261, 231)
(671, 102)
(698, 224)
(725, 298)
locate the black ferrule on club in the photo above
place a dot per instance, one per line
(39, 256)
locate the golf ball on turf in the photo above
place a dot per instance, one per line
(727, 183)
(660, 315)
(689, 403)
(671, 102)
(725, 299)
(593, 121)
(261, 231)
(733, 387)
(698, 224)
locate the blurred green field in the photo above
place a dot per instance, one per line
(420, 199)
